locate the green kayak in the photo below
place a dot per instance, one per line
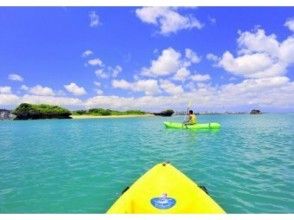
(212, 125)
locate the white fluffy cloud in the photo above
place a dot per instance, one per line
(99, 91)
(275, 92)
(14, 100)
(168, 19)
(212, 57)
(256, 85)
(104, 71)
(41, 91)
(8, 99)
(259, 55)
(94, 19)
(171, 88)
(98, 84)
(52, 100)
(261, 60)
(115, 71)
(212, 20)
(108, 71)
(144, 102)
(113, 102)
(75, 89)
(191, 56)
(149, 87)
(101, 73)
(87, 53)
(257, 42)
(249, 65)
(24, 87)
(286, 54)
(290, 24)
(15, 77)
(200, 77)
(170, 62)
(95, 62)
(167, 63)
(182, 74)
(5, 89)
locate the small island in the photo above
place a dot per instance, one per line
(255, 112)
(166, 113)
(27, 111)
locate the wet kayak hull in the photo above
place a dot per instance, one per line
(212, 125)
(164, 189)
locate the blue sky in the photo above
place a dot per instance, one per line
(219, 58)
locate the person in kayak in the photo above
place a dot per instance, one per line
(191, 118)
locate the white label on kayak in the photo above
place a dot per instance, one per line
(163, 202)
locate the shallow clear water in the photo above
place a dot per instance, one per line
(81, 166)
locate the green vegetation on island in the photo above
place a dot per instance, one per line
(107, 112)
(42, 111)
(255, 112)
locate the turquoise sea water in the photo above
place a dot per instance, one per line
(81, 166)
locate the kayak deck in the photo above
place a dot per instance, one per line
(212, 125)
(164, 189)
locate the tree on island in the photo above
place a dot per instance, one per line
(107, 112)
(255, 112)
(43, 111)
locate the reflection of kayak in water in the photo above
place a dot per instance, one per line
(164, 189)
(212, 125)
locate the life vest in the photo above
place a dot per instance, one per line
(193, 119)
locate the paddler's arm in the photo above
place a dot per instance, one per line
(188, 120)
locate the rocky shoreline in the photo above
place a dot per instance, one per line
(27, 111)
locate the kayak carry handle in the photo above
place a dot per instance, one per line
(204, 189)
(126, 189)
(165, 163)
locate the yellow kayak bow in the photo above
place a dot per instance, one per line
(164, 189)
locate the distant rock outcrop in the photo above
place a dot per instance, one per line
(6, 114)
(165, 113)
(255, 112)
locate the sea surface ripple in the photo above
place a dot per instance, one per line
(82, 166)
